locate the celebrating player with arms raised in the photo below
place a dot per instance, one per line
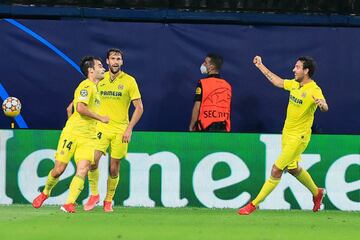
(305, 97)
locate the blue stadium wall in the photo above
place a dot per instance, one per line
(39, 66)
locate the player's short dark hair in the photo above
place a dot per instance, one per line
(309, 63)
(114, 50)
(88, 62)
(215, 60)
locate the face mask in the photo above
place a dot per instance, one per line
(203, 69)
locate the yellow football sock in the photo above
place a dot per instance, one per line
(76, 186)
(50, 183)
(266, 189)
(93, 176)
(111, 187)
(306, 180)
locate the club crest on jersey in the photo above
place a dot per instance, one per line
(84, 93)
(303, 95)
(121, 87)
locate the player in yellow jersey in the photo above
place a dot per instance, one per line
(305, 97)
(78, 136)
(117, 91)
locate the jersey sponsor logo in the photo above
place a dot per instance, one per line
(110, 93)
(84, 93)
(295, 100)
(216, 114)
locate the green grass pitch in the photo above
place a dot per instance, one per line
(24, 222)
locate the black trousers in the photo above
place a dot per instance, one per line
(214, 127)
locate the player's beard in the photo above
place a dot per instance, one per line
(299, 79)
(114, 70)
(100, 76)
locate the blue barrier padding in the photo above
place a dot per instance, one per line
(45, 42)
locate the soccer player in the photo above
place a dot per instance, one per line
(305, 97)
(78, 136)
(117, 91)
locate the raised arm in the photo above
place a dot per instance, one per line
(273, 78)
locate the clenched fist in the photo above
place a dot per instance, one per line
(257, 61)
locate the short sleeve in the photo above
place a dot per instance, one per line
(317, 93)
(83, 94)
(290, 84)
(134, 92)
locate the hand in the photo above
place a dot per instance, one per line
(127, 135)
(257, 61)
(321, 103)
(104, 119)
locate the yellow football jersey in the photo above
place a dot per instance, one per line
(116, 96)
(301, 107)
(77, 124)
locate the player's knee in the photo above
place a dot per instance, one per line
(93, 167)
(114, 171)
(294, 172)
(114, 168)
(276, 172)
(82, 171)
(57, 171)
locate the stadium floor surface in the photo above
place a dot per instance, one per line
(24, 222)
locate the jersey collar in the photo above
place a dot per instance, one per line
(213, 76)
(117, 77)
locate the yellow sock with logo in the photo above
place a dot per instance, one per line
(111, 187)
(50, 183)
(266, 189)
(93, 176)
(76, 186)
(306, 180)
